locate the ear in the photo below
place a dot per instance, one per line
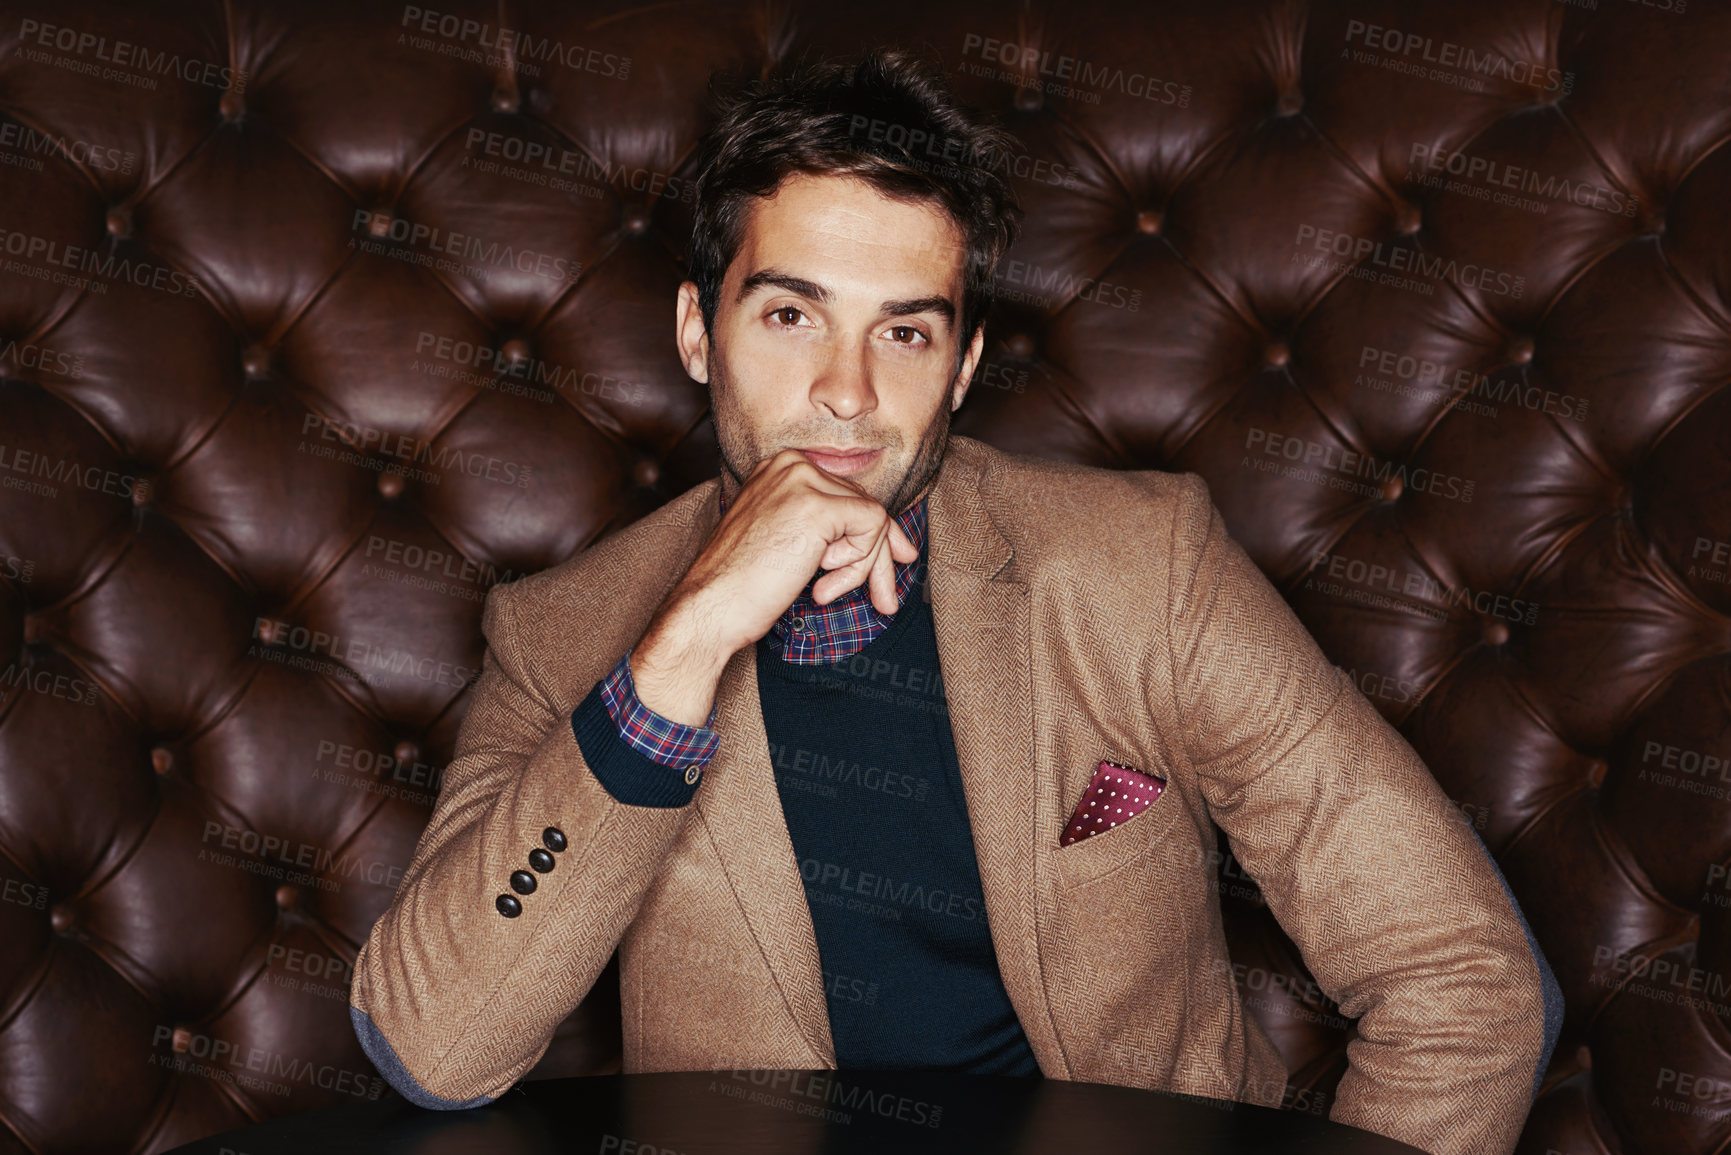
(965, 376)
(689, 333)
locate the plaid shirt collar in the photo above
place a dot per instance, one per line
(810, 634)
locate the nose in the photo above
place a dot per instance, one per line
(844, 385)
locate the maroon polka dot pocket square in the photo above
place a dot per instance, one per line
(1114, 796)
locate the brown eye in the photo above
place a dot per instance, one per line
(788, 315)
(905, 333)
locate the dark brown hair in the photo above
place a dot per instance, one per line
(888, 118)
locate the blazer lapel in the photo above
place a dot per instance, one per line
(981, 617)
(741, 810)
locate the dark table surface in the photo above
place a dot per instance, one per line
(809, 1113)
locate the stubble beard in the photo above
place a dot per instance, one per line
(740, 451)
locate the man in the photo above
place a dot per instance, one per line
(889, 749)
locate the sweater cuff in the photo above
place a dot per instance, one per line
(623, 768)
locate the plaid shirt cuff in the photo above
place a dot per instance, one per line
(659, 739)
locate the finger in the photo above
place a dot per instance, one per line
(855, 560)
(876, 569)
(859, 522)
(843, 551)
(902, 546)
(773, 461)
(789, 467)
(883, 581)
(852, 547)
(839, 581)
(814, 476)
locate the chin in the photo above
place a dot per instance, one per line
(883, 481)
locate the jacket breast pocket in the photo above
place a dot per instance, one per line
(1093, 857)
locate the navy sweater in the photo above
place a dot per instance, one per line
(866, 769)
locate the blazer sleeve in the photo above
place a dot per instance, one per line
(1399, 911)
(452, 1000)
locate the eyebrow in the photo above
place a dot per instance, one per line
(939, 305)
(812, 291)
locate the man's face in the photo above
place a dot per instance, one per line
(836, 330)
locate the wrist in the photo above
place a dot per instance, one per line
(677, 664)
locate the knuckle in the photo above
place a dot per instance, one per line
(787, 462)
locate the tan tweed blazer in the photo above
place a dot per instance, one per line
(1081, 614)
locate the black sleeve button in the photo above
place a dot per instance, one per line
(554, 839)
(540, 860)
(523, 882)
(508, 905)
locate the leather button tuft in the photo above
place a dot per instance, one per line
(1392, 489)
(515, 351)
(1408, 220)
(505, 99)
(1030, 99)
(1019, 345)
(379, 223)
(162, 759)
(182, 1040)
(646, 473)
(119, 223)
(285, 896)
(1521, 351)
(406, 753)
(540, 860)
(35, 630)
(553, 838)
(523, 882)
(636, 221)
(1291, 103)
(255, 362)
(60, 918)
(1149, 221)
(1496, 633)
(390, 484)
(232, 105)
(1597, 774)
(507, 905)
(1276, 355)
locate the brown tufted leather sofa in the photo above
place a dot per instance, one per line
(318, 319)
